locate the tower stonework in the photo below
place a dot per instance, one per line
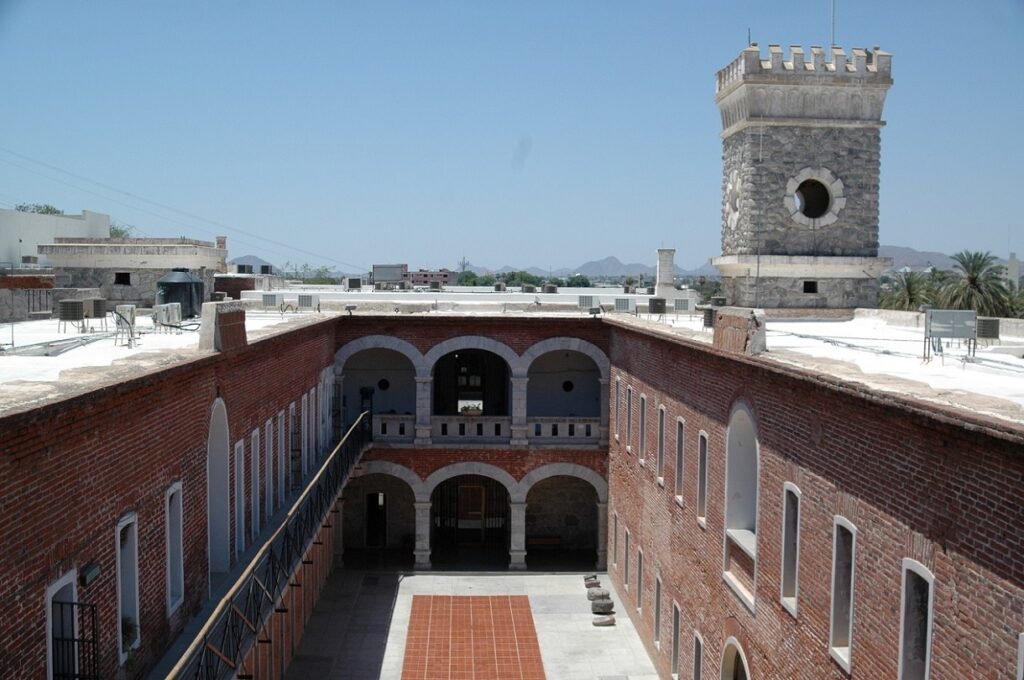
(800, 167)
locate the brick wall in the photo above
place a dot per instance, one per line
(69, 470)
(916, 482)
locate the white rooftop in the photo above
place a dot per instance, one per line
(882, 350)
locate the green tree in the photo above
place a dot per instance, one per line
(120, 230)
(578, 281)
(485, 280)
(466, 278)
(977, 284)
(38, 208)
(908, 291)
(1016, 296)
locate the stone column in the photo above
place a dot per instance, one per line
(519, 427)
(517, 536)
(422, 550)
(424, 398)
(603, 429)
(339, 543)
(602, 536)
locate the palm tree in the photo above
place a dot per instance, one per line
(909, 291)
(1016, 294)
(977, 284)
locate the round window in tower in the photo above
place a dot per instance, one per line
(814, 197)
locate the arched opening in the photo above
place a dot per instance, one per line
(734, 664)
(561, 524)
(564, 383)
(473, 381)
(469, 521)
(378, 522)
(218, 503)
(380, 380)
(741, 483)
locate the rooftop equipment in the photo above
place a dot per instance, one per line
(243, 268)
(588, 301)
(272, 301)
(70, 311)
(499, 287)
(549, 288)
(353, 283)
(529, 288)
(124, 323)
(988, 328)
(656, 306)
(266, 269)
(683, 304)
(183, 287)
(435, 285)
(944, 324)
(308, 302)
(627, 305)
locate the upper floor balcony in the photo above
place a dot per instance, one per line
(474, 391)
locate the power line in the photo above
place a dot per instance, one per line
(164, 206)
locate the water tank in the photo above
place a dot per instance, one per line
(549, 288)
(656, 306)
(528, 288)
(181, 286)
(499, 287)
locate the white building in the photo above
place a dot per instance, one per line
(21, 233)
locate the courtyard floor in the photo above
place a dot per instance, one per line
(404, 626)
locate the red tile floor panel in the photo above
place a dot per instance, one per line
(471, 638)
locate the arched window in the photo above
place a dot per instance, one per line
(741, 482)
(734, 663)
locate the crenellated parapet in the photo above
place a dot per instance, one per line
(819, 85)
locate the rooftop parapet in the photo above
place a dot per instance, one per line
(861, 64)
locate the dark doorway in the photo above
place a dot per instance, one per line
(471, 377)
(470, 523)
(376, 520)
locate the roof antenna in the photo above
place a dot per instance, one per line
(748, 37)
(832, 43)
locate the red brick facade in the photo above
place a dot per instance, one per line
(915, 482)
(940, 487)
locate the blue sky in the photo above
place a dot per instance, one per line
(526, 134)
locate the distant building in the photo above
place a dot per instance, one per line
(424, 277)
(390, 273)
(126, 270)
(22, 232)
(1013, 269)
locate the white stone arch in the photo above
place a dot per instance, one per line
(732, 652)
(561, 469)
(386, 467)
(382, 342)
(567, 344)
(218, 490)
(467, 468)
(515, 363)
(742, 467)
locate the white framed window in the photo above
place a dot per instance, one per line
(629, 419)
(639, 579)
(625, 561)
(281, 458)
(680, 448)
(305, 435)
(741, 496)
(698, 656)
(615, 539)
(268, 468)
(916, 621)
(790, 579)
(657, 612)
(126, 546)
(294, 445)
(175, 553)
(62, 626)
(239, 497)
(702, 480)
(675, 639)
(618, 405)
(254, 491)
(660, 460)
(844, 547)
(643, 429)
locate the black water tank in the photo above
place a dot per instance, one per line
(181, 285)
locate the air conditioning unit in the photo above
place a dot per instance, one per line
(588, 301)
(308, 302)
(70, 310)
(625, 305)
(125, 314)
(243, 268)
(683, 304)
(272, 300)
(94, 308)
(266, 269)
(354, 283)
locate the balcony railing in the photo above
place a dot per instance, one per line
(225, 642)
(74, 651)
(554, 430)
(471, 429)
(393, 428)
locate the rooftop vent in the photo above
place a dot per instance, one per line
(549, 288)
(70, 310)
(308, 302)
(627, 305)
(272, 300)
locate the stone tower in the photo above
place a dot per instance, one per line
(800, 162)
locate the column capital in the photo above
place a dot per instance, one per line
(422, 505)
(602, 506)
(603, 381)
(422, 379)
(519, 380)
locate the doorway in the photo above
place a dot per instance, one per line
(470, 523)
(376, 520)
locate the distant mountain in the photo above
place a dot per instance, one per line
(611, 267)
(916, 259)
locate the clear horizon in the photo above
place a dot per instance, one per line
(530, 135)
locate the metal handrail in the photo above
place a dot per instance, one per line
(220, 646)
